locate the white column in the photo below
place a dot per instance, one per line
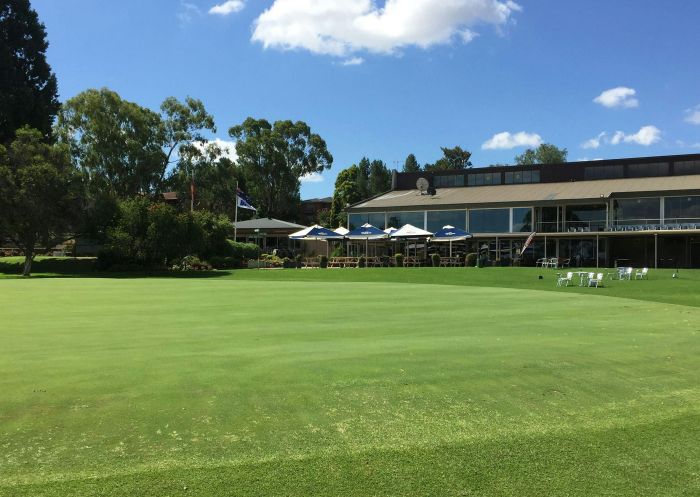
(510, 228)
(662, 210)
(425, 220)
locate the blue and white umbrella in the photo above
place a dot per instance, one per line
(316, 232)
(366, 232)
(450, 234)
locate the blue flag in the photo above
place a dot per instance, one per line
(242, 200)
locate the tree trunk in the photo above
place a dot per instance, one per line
(28, 258)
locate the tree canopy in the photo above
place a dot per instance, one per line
(411, 165)
(544, 154)
(273, 159)
(357, 182)
(28, 88)
(452, 158)
(40, 193)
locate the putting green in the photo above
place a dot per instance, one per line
(216, 386)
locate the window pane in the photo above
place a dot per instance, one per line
(585, 217)
(489, 221)
(522, 219)
(637, 211)
(536, 176)
(686, 167)
(438, 219)
(376, 220)
(647, 170)
(398, 219)
(604, 172)
(509, 178)
(682, 209)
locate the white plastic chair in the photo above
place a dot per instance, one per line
(641, 274)
(596, 280)
(626, 274)
(565, 280)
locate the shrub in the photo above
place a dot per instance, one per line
(323, 261)
(435, 259)
(218, 262)
(470, 259)
(242, 251)
(298, 259)
(398, 258)
(361, 261)
(191, 263)
(338, 251)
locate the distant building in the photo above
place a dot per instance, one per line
(639, 211)
(312, 207)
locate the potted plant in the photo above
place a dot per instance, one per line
(435, 259)
(398, 258)
(298, 259)
(361, 261)
(323, 261)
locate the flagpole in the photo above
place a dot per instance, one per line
(235, 223)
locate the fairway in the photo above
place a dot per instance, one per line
(255, 387)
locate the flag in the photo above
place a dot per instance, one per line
(243, 201)
(528, 241)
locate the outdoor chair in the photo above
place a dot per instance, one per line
(626, 273)
(596, 280)
(640, 274)
(565, 280)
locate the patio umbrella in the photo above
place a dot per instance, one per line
(342, 230)
(390, 231)
(408, 231)
(450, 234)
(316, 232)
(366, 232)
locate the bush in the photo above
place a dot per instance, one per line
(435, 259)
(398, 259)
(339, 251)
(323, 261)
(218, 262)
(191, 263)
(470, 259)
(361, 261)
(298, 259)
(242, 251)
(272, 260)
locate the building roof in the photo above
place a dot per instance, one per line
(324, 200)
(267, 223)
(529, 193)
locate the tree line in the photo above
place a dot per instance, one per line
(89, 165)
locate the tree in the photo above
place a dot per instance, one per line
(39, 193)
(357, 182)
(116, 144)
(28, 89)
(347, 192)
(125, 149)
(215, 178)
(411, 164)
(544, 154)
(183, 124)
(452, 158)
(379, 178)
(273, 158)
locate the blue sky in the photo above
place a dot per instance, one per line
(385, 79)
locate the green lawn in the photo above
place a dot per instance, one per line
(459, 382)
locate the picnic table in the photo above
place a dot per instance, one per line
(412, 261)
(450, 261)
(343, 262)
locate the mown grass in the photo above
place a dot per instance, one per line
(339, 382)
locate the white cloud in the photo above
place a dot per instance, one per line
(692, 116)
(227, 147)
(344, 27)
(618, 97)
(353, 61)
(312, 178)
(507, 140)
(187, 12)
(594, 142)
(647, 135)
(228, 7)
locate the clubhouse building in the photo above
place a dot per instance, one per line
(638, 212)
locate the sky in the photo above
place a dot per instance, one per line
(382, 79)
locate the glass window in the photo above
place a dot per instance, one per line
(438, 219)
(522, 219)
(631, 211)
(489, 221)
(373, 218)
(682, 210)
(647, 170)
(519, 177)
(398, 219)
(604, 172)
(447, 181)
(681, 168)
(585, 217)
(480, 179)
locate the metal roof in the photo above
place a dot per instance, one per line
(529, 193)
(267, 223)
